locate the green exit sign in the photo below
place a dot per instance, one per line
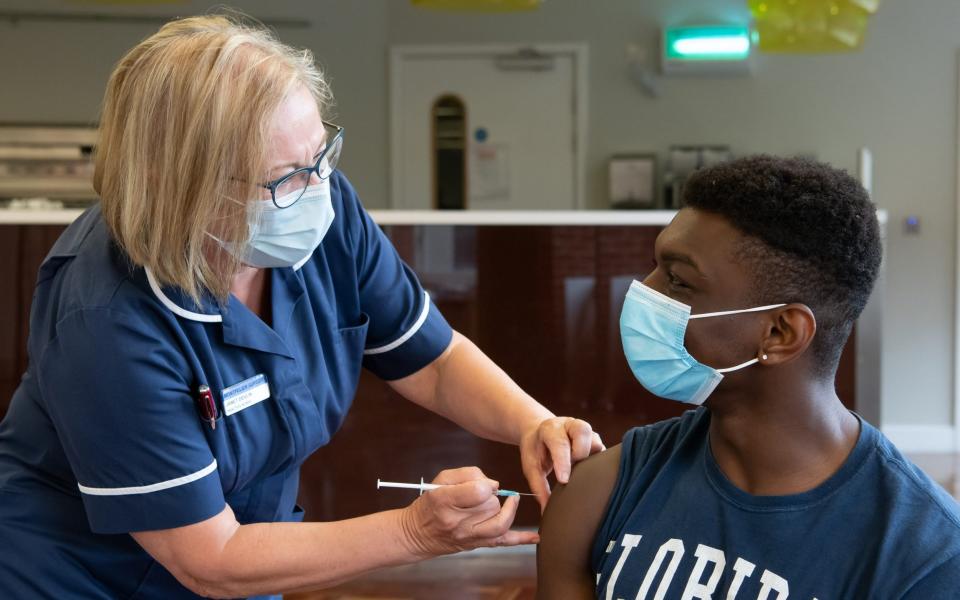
(710, 43)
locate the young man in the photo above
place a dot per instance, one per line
(771, 488)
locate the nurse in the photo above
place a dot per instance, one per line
(199, 333)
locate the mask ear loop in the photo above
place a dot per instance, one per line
(737, 312)
(738, 367)
(742, 366)
(726, 313)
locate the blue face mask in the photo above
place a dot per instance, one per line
(286, 237)
(652, 328)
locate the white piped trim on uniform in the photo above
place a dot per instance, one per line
(409, 334)
(182, 312)
(154, 487)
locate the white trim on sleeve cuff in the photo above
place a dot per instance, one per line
(409, 334)
(154, 487)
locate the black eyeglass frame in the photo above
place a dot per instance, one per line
(276, 183)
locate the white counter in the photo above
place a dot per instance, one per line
(868, 348)
(16, 216)
(427, 217)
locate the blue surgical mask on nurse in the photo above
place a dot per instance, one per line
(285, 237)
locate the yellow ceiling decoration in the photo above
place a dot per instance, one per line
(809, 26)
(479, 5)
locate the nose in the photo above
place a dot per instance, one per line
(655, 281)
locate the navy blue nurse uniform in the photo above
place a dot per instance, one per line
(103, 435)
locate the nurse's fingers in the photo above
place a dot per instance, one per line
(463, 475)
(577, 442)
(517, 538)
(581, 442)
(442, 521)
(554, 437)
(496, 530)
(596, 444)
(537, 480)
(469, 495)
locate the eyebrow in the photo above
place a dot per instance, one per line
(682, 258)
(294, 165)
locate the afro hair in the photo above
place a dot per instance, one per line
(811, 236)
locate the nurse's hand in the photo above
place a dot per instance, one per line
(462, 516)
(554, 445)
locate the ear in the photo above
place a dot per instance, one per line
(789, 333)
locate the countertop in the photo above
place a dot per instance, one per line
(426, 217)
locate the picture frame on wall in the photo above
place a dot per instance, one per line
(632, 180)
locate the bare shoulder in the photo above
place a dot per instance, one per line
(589, 488)
(570, 524)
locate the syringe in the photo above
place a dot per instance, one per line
(426, 487)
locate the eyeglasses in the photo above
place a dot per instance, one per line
(286, 190)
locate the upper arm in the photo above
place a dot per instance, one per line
(406, 330)
(119, 394)
(569, 526)
(190, 552)
(421, 386)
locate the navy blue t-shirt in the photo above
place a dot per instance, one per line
(103, 435)
(676, 527)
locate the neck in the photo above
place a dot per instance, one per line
(250, 288)
(785, 437)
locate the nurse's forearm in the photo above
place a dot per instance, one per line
(227, 560)
(473, 392)
(266, 558)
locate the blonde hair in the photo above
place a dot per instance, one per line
(183, 140)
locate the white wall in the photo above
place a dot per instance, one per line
(57, 72)
(897, 96)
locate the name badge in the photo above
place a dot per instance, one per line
(245, 394)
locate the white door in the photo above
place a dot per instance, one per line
(524, 114)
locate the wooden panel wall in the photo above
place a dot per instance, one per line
(543, 302)
(23, 248)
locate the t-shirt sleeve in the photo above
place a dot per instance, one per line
(638, 468)
(942, 581)
(117, 390)
(407, 331)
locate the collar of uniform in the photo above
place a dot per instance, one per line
(286, 291)
(240, 326)
(182, 305)
(243, 328)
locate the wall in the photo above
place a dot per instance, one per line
(897, 97)
(57, 72)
